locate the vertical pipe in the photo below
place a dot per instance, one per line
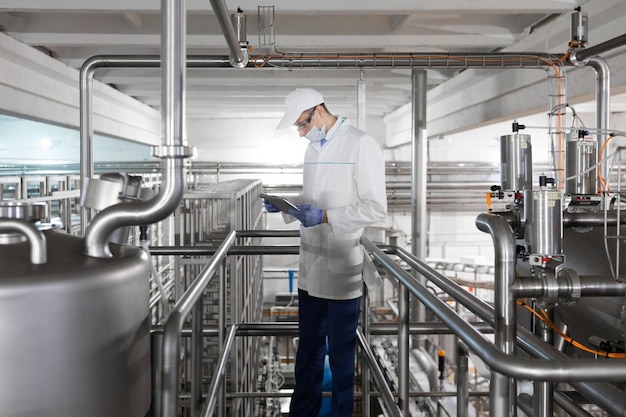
(360, 109)
(420, 161)
(419, 145)
(173, 72)
(86, 138)
(462, 380)
(173, 137)
(172, 103)
(365, 371)
(221, 324)
(543, 396)
(196, 358)
(236, 309)
(603, 85)
(502, 389)
(403, 350)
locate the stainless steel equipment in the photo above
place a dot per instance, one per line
(516, 162)
(581, 158)
(546, 223)
(74, 332)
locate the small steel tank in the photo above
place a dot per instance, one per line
(74, 331)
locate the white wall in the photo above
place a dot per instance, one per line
(255, 140)
(37, 87)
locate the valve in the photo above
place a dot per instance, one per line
(442, 362)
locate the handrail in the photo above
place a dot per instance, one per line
(174, 324)
(235, 329)
(379, 378)
(522, 368)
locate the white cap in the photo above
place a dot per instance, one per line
(297, 101)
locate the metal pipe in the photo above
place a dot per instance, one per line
(587, 286)
(569, 406)
(36, 239)
(361, 110)
(583, 54)
(222, 328)
(403, 350)
(238, 55)
(514, 366)
(543, 396)
(525, 403)
(220, 373)
(174, 325)
(172, 151)
(379, 379)
(593, 219)
(419, 179)
(502, 390)
(365, 371)
(603, 394)
(603, 88)
(235, 250)
(462, 380)
(407, 60)
(197, 319)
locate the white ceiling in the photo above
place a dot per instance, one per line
(74, 30)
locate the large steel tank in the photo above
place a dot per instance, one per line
(74, 332)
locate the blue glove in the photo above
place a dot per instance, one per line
(308, 215)
(270, 207)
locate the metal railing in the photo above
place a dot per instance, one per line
(176, 327)
(588, 376)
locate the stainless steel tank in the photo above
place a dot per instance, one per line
(74, 332)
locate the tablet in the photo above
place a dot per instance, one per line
(280, 202)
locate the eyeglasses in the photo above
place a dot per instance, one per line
(305, 123)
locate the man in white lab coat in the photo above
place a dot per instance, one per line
(343, 192)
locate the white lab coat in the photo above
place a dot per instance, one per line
(345, 177)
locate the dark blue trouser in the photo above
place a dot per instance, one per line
(337, 320)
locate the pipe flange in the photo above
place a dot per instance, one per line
(552, 287)
(174, 151)
(573, 283)
(574, 60)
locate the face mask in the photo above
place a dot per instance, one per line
(316, 135)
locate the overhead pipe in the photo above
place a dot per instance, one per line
(330, 61)
(238, 55)
(87, 72)
(406, 60)
(172, 150)
(584, 54)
